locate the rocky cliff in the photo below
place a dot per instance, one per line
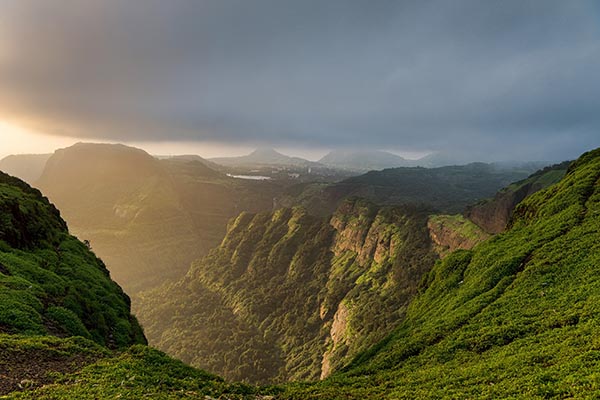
(493, 215)
(301, 294)
(453, 232)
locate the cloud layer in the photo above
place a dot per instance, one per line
(510, 79)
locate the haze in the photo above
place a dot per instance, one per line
(481, 80)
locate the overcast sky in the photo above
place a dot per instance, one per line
(492, 79)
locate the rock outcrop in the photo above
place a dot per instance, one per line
(493, 215)
(453, 232)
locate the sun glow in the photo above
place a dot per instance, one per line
(18, 140)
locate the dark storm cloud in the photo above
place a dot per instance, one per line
(503, 79)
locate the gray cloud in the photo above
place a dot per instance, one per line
(510, 79)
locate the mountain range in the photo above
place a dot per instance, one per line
(513, 315)
(150, 217)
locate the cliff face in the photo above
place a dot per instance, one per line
(493, 215)
(310, 293)
(453, 232)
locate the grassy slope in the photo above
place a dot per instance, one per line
(139, 372)
(518, 316)
(493, 214)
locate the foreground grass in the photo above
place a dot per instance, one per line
(139, 372)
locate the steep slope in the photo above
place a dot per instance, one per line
(515, 317)
(453, 232)
(493, 214)
(28, 167)
(291, 296)
(446, 189)
(363, 160)
(49, 282)
(147, 218)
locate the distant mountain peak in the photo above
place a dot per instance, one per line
(266, 151)
(262, 155)
(363, 160)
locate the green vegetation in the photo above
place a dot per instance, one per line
(139, 372)
(291, 296)
(66, 326)
(517, 317)
(452, 232)
(49, 281)
(493, 214)
(445, 189)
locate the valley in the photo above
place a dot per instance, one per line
(354, 299)
(285, 293)
(299, 200)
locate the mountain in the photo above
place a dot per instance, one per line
(243, 298)
(191, 158)
(28, 167)
(147, 218)
(363, 160)
(262, 156)
(441, 159)
(66, 330)
(515, 317)
(291, 296)
(493, 215)
(446, 189)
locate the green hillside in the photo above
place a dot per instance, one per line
(517, 317)
(291, 296)
(493, 214)
(445, 189)
(50, 283)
